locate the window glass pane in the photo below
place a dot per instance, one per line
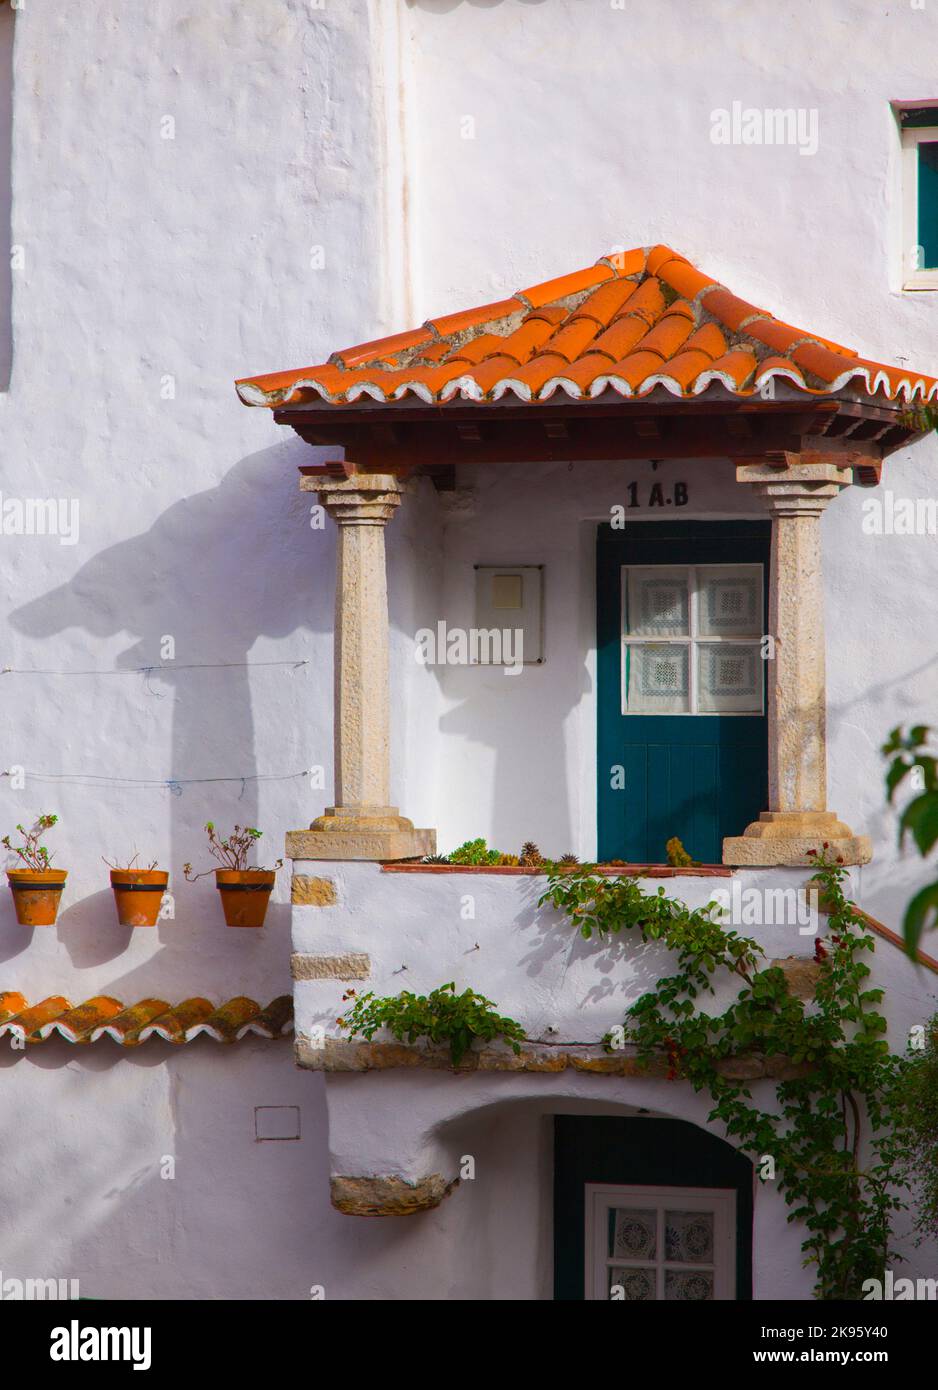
(730, 678)
(688, 1236)
(688, 1286)
(730, 603)
(638, 1285)
(656, 603)
(633, 1233)
(928, 205)
(656, 679)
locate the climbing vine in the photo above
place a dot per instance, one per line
(833, 1137)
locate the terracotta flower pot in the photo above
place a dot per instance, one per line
(36, 894)
(245, 894)
(138, 894)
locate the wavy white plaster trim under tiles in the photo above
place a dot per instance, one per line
(468, 389)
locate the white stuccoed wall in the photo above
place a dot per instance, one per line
(190, 258)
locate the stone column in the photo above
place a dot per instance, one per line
(362, 824)
(797, 819)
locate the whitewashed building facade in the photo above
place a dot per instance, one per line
(206, 193)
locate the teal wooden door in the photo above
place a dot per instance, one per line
(682, 730)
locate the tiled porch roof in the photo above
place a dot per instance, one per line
(635, 321)
(129, 1024)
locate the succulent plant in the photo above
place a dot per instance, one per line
(508, 859)
(474, 852)
(435, 859)
(530, 854)
(569, 859)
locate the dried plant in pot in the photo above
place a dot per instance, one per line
(245, 892)
(35, 885)
(138, 893)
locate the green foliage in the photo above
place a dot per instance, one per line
(919, 819)
(923, 418)
(31, 852)
(443, 1016)
(474, 852)
(839, 1070)
(917, 1125)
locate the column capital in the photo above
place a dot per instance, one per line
(804, 487)
(357, 499)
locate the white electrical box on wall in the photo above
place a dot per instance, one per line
(509, 601)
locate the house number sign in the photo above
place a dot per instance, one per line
(657, 497)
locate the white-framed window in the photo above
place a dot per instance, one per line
(692, 639)
(660, 1244)
(919, 136)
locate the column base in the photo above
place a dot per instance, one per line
(360, 832)
(796, 838)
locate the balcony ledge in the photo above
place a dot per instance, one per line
(343, 1055)
(606, 870)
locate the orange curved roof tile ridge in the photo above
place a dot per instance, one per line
(131, 1024)
(635, 322)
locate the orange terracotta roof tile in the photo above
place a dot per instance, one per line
(732, 370)
(533, 375)
(667, 335)
(469, 318)
(683, 369)
(551, 290)
(382, 349)
(647, 300)
(581, 373)
(708, 339)
(526, 340)
(477, 349)
(637, 321)
(572, 340)
(131, 1024)
(607, 302)
(622, 336)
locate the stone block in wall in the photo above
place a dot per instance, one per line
(309, 891)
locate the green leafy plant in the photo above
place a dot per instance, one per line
(917, 1125)
(443, 1016)
(834, 1137)
(31, 853)
(919, 819)
(474, 852)
(232, 851)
